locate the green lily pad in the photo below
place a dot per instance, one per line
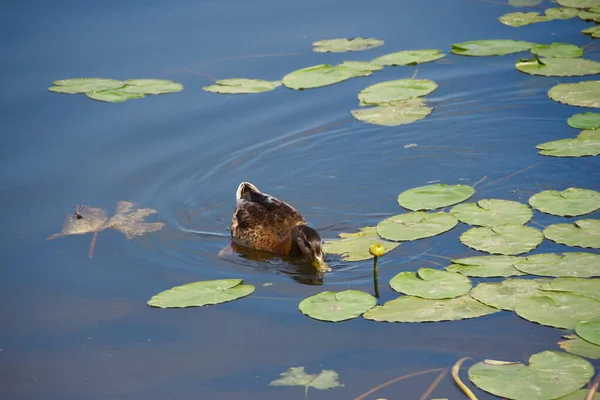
(417, 309)
(84, 85)
(576, 345)
(550, 374)
(581, 286)
(393, 114)
(296, 376)
(586, 120)
(587, 15)
(579, 3)
(335, 307)
(582, 233)
(561, 12)
(242, 85)
(568, 203)
(485, 266)
(558, 66)
(558, 309)
(482, 48)
(587, 143)
(342, 45)
(152, 86)
(507, 294)
(355, 246)
(415, 225)
(401, 89)
(114, 96)
(492, 212)
(576, 264)
(409, 57)
(579, 395)
(589, 330)
(518, 19)
(504, 239)
(582, 94)
(430, 197)
(593, 31)
(557, 50)
(524, 3)
(201, 293)
(361, 68)
(431, 283)
(317, 76)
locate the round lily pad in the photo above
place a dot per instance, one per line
(417, 309)
(317, 76)
(576, 264)
(581, 286)
(485, 266)
(570, 202)
(361, 68)
(561, 12)
(430, 197)
(582, 94)
(152, 86)
(393, 114)
(415, 225)
(576, 345)
(504, 239)
(242, 85)
(558, 66)
(355, 246)
(586, 120)
(557, 50)
(506, 294)
(490, 47)
(593, 31)
(431, 283)
(587, 143)
(409, 57)
(84, 85)
(558, 309)
(550, 374)
(492, 212)
(589, 330)
(518, 19)
(579, 3)
(336, 307)
(401, 89)
(342, 45)
(201, 293)
(114, 96)
(582, 233)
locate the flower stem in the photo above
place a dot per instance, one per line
(375, 277)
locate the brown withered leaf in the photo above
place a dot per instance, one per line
(127, 219)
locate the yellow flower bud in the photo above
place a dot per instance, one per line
(377, 250)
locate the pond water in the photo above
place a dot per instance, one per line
(75, 327)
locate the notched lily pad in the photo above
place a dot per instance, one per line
(558, 66)
(415, 225)
(481, 48)
(593, 31)
(557, 50)
(355, 246)
(587, 143)
(84, 85)
(409, 57)
(430, 283)
(582, 233)
(335, 307)
(507, 294)
(485, 266)
(586, 120)
(342, 45)
(518, 19)
(391, 91)
(242, 85)
(582, 94)
(505, 239)
(393, 114)
(201, 293)
(570, 202)
(576, 345)
(296, 376)
(492, 212)
(558, 309)
(430, 197)
(114, 96)
(575, 264)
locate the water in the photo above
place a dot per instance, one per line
(75, 327)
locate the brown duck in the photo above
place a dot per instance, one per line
(263, 222)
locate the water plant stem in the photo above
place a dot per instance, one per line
(375, 277)
(400, 378)
(433, 385)
(93, 245)
(459, 383)
(593, 388)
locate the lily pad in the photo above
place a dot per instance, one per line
(393, 114)
(557, 50)
(506, 294)
(296, 376)
(114, 96)
(518, 19)
(586, 120)
(570, 202)
(201, 293)
(84, 85)
(342, 45)
(361, 68)
(485, 266)
(415, 225)
(524, 3)
(589, 330)
(558, 309)
(401, 89)
(579, 3)
(582, 94)
(317, 76)
(417, 309)
(431, 283)
(593, 31)
(335, 307)
(550, 374)
(588, 15)
(492, 212)
(430, 197)
(576, 264)
(587, 143)
(558, 66)
(409, 57)
(355, 246)
(504, 239)
(561, 12)
(581, 286)
(576, 345)
(152, 86)
(482, 48)
(582, 233)
(242, 85)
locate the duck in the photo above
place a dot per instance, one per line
(263, 222)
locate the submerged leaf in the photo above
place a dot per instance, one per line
(587, 143)
(582, 265)
(492, 212)
(570, 202)
(355, 246)
(559, 66)
(490, 47)
(152, 86)
(576, 345)
(242, 85)
(518, 19)
(84, 85)
(582, 233)
(201, 293)
(114, 96)
(409, 57)
(506, 294)
(430, 197)
(336, 307)
(558, 309)
(504, 239)
(582, 94)
(393, 114)
(586, 120)
(430, 283)
(342, 45)
(396, 90)
(581, 286)
(557, 50)
(415, 225)
(485, 266)
(296, 376)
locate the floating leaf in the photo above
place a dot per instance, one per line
(361, 68)
(505, 239)
(342, 45)
(558, 309)
(550, 374)
(317, 76)
(485, 266)
(582, 265)
(335, 307)
(578, 395)
(586, 120)
(558, 66)
(524, 3)
(417, 309)
(490, 47)
(242, 85)
(295, 376)
(561, 12)
(409, 57)
(355, 246)
(393, 114)
(430, 283)
(581, 286)
(114, 96)
(587, 143)
(576, 345)
(582, 94)
(201, 293)
(518, 19)
(84, 85)
(430, 197)
(506, 294)
(152, 86)
(415, 225)
(594, 31)
(589, 330)
(582, 233)
(492, 212)
(557, 50)
(588, 15)
(568, 203)
(401, 89)
(579, 3)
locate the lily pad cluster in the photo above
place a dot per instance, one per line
(115, 91)
(518, 19)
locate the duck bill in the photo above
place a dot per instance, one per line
(319, 263)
